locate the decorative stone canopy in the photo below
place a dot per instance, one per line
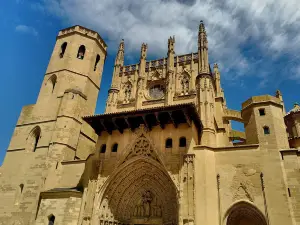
(175, 114)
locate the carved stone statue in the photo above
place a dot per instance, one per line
(147, 199)
(185, 85)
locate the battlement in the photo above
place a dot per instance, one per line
(261, 99)
(84, 31)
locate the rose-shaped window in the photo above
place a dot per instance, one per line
(156, 91)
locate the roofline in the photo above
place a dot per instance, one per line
(124, 113)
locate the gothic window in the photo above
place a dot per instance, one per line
(33, 139)
(182, 142)
(169, 143)
(266, 130)
(103, 148)
(63, 49)
(156, 91)
(96, 62)
(81, 52)
(51, 83)
(185, 83)
(127, 93)
(51, 220)
(114, 148)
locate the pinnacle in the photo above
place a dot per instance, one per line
(201, 27)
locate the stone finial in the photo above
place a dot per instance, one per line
(120, 55)
(278, 93)
(171, 44)
(216, 70)
(202, 27)
(121, 46)
(144, 49)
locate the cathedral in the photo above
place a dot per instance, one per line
(163, 153)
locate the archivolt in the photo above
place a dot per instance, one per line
(244, 213)
(142, 171)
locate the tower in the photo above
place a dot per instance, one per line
(264, 123)
(76, 65)
(52, 129)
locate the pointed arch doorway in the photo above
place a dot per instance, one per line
(140, 191)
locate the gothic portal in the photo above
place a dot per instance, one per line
(163, 153)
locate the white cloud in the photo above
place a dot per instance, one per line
(274, 25)
(26, 29)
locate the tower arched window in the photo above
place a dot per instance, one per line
(96, 62)
(33, 139)
(51, 219)
(114, 148)
(169, 143)
(63, 48)
(51, 83)
(182, 142)
(81, 52)
(266, 130)
(103, 148)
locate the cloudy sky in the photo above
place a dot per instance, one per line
(256, 43)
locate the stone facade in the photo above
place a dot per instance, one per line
(162, 153)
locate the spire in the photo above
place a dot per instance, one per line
(202, 37)
(203, 49)
(120, 55)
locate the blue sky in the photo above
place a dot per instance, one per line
(256, 44)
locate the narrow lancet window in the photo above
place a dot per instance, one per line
(51, 83)
(81, 52)
(96, 62)
(63, 49)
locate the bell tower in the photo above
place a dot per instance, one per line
(76, 63)
(69, 91)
